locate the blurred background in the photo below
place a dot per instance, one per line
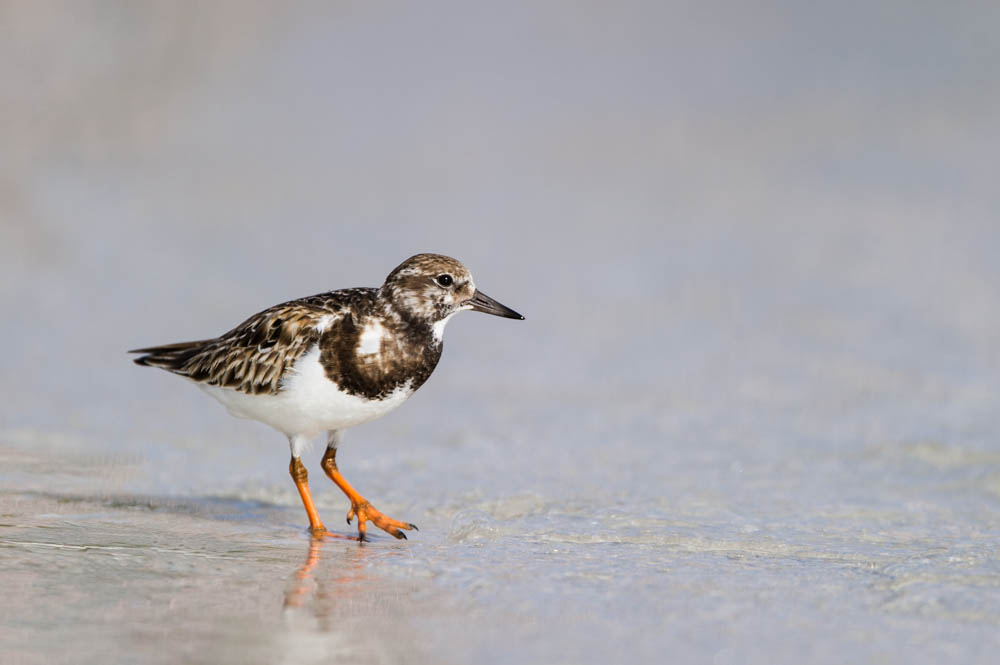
(751, 415)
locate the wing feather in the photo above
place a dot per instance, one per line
(256, 355)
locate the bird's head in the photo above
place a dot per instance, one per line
(432, 288)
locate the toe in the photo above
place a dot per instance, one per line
(365, 513)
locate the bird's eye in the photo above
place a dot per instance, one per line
(445, 280)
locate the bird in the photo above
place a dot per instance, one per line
(331, 361)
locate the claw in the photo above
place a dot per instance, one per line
(365, 513)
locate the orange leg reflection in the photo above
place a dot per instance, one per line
(297, 593)
(324, 592)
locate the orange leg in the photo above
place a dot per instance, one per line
(301, 477)
(360, 507)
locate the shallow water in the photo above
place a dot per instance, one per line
(751, 416)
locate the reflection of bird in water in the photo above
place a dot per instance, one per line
(349, 569)
(296, 594)
(336, 594)
(332, 361)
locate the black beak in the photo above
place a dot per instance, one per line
(483, 303)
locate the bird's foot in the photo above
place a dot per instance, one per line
(322, 533)
(365, 512)
(319, 531)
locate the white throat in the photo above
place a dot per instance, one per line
(438, 327)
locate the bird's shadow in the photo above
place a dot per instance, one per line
(272, 519)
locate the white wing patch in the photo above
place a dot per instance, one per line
(324, 322)
(371, 338)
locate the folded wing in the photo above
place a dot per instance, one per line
(255, 356)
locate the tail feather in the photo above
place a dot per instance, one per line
(171, 357)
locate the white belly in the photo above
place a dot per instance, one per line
(308, 403)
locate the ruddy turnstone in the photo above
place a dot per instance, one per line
(332, 361)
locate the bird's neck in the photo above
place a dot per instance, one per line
(416, 327)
